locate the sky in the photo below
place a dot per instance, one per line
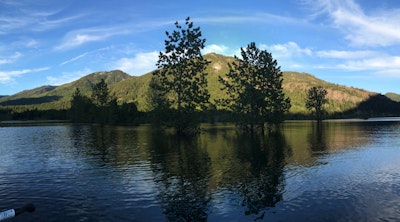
(348, 42)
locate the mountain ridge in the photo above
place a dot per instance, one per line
(127, 88)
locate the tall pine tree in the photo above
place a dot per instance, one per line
(254, 88)
(181, 75)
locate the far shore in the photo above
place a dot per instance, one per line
(29, 122)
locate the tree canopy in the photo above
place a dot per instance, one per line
(254, 88)
(316, 98)
(181, 77)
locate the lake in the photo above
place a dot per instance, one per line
(336, 171)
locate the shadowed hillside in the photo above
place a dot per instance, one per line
(128, 88)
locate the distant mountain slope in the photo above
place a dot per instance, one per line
(134, 88)
(58, 97)
(340, 98)
(393, 96)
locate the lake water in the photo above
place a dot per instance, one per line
(338, 171)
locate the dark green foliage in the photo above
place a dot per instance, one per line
(128, 113)
(181, 79)
(254, 89)
(316, 98)
(160, 112)
(101, 108)
(82, 108)
(35, 114)
(100, 94)
(5, 114)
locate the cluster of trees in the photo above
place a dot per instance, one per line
(178, 94)
(101, 107)
(179, 87)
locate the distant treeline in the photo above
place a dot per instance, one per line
(127, 114)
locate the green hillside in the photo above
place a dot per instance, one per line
(134, 88)
(393, 96)
(340, 98)
(58, 97)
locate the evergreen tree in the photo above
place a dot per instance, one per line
(254, 88)
(316, 98)
(100, 94)
(101, 99)
(81, 107)
(181, 76)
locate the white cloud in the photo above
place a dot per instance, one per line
(8, 76)
(74, 40)
(10, 59)
(377, 63)
(361, 28)
(340, 54)
(67, 77)
(287, 50)
(140, 64)
(83, 36)
(219, 49)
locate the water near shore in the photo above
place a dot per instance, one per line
(337, 171)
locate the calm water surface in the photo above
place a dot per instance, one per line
(339, 171)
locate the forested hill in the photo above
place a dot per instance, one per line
(133, 89)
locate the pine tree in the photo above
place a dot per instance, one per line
(81, 107)
(316, 98)
(181, 77)
(254, 88)
(100, 94)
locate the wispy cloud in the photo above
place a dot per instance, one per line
(140, 64)
(80, 37)
(342, 54)
(83, 36)
(29, 20)
(287, 50)
(245, 17)
(8, 76)
(10, 59)
(376, 63)
(75, 58)
(361, 28)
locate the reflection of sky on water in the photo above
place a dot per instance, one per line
(360, 184)
(341, 171)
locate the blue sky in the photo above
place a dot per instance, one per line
(349, 42)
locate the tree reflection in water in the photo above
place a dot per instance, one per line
(317, 137)
(182, 175)
(264, 185)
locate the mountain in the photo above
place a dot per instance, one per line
(128, 88)
(58, 97)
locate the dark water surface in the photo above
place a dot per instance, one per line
(339, 171)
